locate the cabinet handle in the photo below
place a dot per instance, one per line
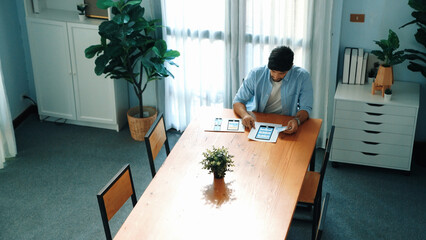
(370, 143)
(370, 154)
(373, 123)
(374, 114)
(373, 132)
(375, 105)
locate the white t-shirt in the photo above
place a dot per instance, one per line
(274, 102)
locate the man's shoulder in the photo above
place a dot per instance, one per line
(258, 74)
(299, 72)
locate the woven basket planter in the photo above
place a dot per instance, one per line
(140, 126)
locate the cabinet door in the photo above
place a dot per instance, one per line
(52, 68)
(94, 95)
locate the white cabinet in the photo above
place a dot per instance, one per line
(66, 85)
(370, 131)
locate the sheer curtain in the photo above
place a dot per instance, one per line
(7, 136)
(320, 64)
(220, 41)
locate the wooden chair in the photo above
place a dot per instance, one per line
(154, 140)
(323, 214)
(311, 191)
(113, 196)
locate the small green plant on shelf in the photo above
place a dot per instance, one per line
(388, 54)
(388, 91)
(218, 161)
(82, 8)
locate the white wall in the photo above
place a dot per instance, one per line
(13, 58)
(380, 16)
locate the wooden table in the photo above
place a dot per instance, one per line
(255, 201)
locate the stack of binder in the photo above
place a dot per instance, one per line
(355, 66)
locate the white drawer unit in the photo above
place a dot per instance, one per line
(374, 132)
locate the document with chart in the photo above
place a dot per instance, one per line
(266, 132)
(225, 125)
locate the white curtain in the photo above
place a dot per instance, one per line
(320, 63)
(220, 41)
(7, 135)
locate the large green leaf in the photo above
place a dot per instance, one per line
(420, 36)
(121, 18)
(133, 2)
(161, 46)
(393, 40)
(91, 51)
(101, 62)
(415, 67)
(419, 5)
(379, 54)
(109, 30)
(171, 54)
(104, 4)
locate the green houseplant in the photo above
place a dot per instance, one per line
(417, 58)
(130, 50)
(218, 161)
(82, 10)
(390, 57)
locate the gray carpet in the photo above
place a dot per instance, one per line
(49, 190)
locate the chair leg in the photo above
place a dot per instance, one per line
(315, 216)
(312, 163)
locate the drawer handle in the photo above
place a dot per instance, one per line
(374, 114)
(370, 143)
(373, 123)
(373, 132)
(375, 105)
(370, 154)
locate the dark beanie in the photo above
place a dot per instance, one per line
(281, 59)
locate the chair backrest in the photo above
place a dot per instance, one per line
(322, 217)
(113, 196)
(326, 154)
(154, 140)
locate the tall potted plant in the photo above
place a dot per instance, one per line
(417, 58)
(384, 78)
(130, 50)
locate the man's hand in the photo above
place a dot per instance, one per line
(292, 127)
(293, 124)
(248, 121)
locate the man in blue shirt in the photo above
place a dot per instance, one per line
(280, 88)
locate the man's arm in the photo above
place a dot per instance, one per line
(241, 110)
(293, 124)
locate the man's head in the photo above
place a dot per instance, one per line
(280, 62)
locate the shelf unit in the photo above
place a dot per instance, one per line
(66, 86)
(374, 132)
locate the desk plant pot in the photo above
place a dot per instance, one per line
(138, 56)
(388, 94)
(82, 11)
(139, 126)
(218, 161)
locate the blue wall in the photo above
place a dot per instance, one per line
(380, 16)
(13, 58)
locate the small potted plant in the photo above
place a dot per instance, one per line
(373, 72)
(82, 10)
(384, 78)
(388, 94)
(218, 161)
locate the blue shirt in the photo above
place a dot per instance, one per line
(296, 91)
